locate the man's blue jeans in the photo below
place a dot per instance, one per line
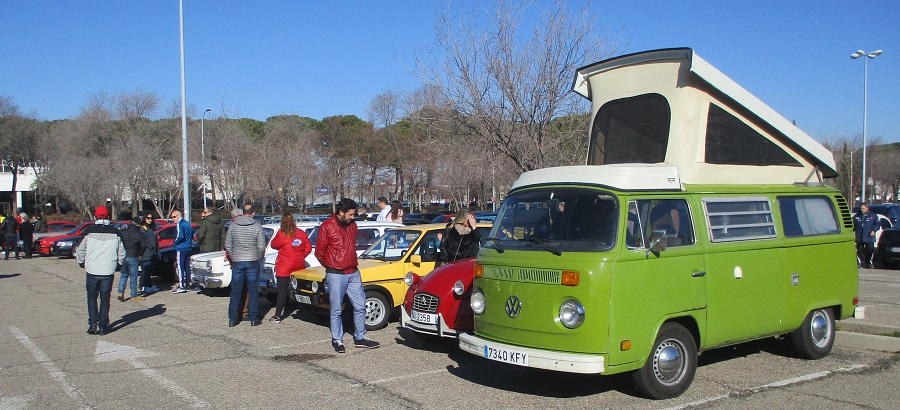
(350, 284)
(129, 273)
(244, 274)
(98, 286)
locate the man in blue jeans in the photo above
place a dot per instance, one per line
(183, 244)
(135, 244)
(245, 245)
(336, 251)
(100, 252)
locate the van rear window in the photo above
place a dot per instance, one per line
(739, 219)
(807, 215)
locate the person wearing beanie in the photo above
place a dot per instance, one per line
(100, 253)
(135, 244)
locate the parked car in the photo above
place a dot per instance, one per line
(438, 303)
(888, 252)
(425, 215)
(66, 247)
(443, 219)
(42, 246)
(368, 233)
(213, 270)
(382, 267)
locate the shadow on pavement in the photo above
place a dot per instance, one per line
(132, 317)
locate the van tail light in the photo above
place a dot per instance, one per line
(479, 271)
(570, 278)
(856, 301)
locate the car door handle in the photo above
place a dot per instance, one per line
(698, 274)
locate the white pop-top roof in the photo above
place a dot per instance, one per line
(643, 177)
(689, 84)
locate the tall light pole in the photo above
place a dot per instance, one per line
(203, 157)
(858, 54)
(184, 140)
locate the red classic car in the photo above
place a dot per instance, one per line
(438, 303)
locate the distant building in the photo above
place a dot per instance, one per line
(24, 185)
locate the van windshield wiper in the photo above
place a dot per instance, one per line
(547, 245)
(497, 245)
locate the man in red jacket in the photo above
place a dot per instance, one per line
(336, 251)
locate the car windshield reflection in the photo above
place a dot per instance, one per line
(392, 246)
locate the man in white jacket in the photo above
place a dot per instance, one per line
(100, 253)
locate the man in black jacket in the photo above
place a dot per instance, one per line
(26, 234)
(9, 227)
(135, 245)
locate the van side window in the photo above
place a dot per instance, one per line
(669, 215)
(807, 215)
(738, 219)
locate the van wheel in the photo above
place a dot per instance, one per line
(814, 338)
(671, 366)
(377, 310)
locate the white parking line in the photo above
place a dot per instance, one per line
(780, 383)
(51, 367)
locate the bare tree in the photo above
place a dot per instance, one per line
(507, 90)
(19, 136)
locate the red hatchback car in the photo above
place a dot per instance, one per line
(438, 303)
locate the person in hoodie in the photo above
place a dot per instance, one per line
(245, 243)
(100, 253)
(293, 247)
(210, 234)
(135, 245)
(183, 245)
(150, 255)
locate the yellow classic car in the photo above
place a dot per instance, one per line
(382, 267)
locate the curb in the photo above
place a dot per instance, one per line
(866, 341)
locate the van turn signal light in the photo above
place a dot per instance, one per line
(479, 270)
(569, 278)
(625, 345)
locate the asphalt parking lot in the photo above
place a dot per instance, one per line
(176, 351)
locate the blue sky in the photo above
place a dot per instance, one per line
(320, 58)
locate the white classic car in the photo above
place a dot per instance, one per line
(212, 269)
(368, 233)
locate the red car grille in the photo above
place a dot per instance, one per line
(424, 302)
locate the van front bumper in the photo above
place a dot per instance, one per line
(537, 358)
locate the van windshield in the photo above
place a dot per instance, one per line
(556, 220)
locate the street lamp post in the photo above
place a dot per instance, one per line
(858, 54)
(203, 157)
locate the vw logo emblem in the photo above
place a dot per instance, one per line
(513, 306)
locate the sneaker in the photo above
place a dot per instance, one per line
(121, 297)
(92, 330)
(179, 290)
(101, 331)
(136, 298)
(232, 324)
(338, 346)
(275, 319)
(365, 343)
(150, 289)
(256, 323)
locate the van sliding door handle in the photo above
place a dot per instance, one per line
(698, 274)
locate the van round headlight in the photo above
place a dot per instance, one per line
(459, 288)
(313, 287)
(294, 283)
(571, 314)
(477, 301)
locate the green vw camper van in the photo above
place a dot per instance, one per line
(700, 220)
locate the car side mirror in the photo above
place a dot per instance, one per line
(658, 241)
(415, 260)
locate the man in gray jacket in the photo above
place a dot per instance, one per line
(245, 244)
(101, 252)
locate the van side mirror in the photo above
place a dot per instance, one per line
(658, 241)
(415, 260)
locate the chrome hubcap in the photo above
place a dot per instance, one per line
(668, 362)
(820, 329)
(374, 311)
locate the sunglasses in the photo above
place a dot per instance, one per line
(149, 217)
